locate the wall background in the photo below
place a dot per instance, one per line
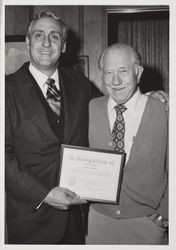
(90, 28)
(90, 33)
(86, 23)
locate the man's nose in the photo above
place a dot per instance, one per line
(117, 79)
(46, 41)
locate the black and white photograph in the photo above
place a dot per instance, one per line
(97, 80)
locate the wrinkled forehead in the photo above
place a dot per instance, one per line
(118, 56)
(47, 23)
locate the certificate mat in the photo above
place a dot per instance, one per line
(93, 174)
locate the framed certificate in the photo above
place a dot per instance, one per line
(93, 174)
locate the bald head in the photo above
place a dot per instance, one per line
(133, 55)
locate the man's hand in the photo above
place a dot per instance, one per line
(160, 95)
(62, 198)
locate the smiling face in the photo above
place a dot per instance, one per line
(45, 44)
(120, 74)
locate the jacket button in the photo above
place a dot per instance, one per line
(118, 212)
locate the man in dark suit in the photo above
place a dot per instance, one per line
(38, 211)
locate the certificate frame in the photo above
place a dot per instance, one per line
(93, 174)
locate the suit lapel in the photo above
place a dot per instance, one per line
(105, 121)
(32, 103)
(69, 103)
(138, 139)
(99, 118)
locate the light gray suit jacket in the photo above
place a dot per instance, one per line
(145, 177)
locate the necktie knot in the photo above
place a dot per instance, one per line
(52, 92)
(50, 82)
(120, 108)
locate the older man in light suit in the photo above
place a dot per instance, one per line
(141, 217)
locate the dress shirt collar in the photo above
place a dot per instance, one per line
(41, 78)
(131, 104)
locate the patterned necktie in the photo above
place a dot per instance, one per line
(53, 96)
(118, 131)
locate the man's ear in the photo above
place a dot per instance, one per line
(63, 47)
(27, 42)
(139, 72)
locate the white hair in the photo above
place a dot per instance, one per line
(134, 53)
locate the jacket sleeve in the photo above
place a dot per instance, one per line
(20, 183)
(163, 207)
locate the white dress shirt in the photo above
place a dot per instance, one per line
(132, 116)
(41, 78)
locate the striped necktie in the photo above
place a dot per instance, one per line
(118, 131)
(53, 96)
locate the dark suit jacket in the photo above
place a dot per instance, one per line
(33, 153)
